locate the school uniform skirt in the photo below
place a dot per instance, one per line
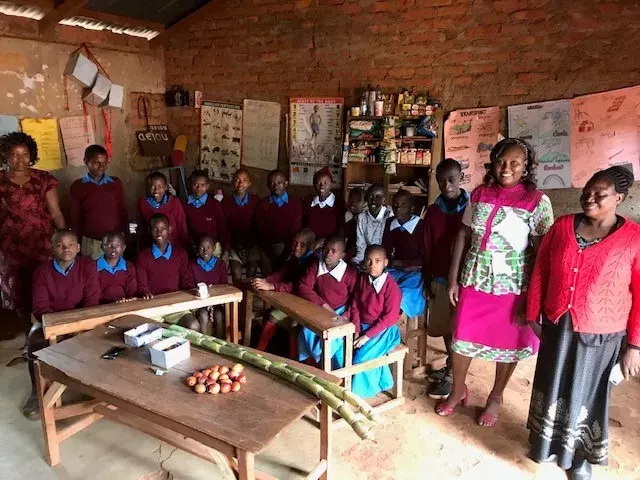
(569, 411)
(310, 346)
(412, 286)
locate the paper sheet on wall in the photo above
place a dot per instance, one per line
(220, 139)
(545, 126)
(260, 134)
(77, 135)
(8, 124)
(45, 132)
(605, 131)
(469, 136)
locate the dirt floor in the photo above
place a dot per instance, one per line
(412, 443)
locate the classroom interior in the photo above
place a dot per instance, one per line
(463, 54)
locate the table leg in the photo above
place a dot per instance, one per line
(348, 358)
(227, 322)
(325, 439)
(248, 317)
(326, 355)
(246, 465)
(48, 421)
(234, 323)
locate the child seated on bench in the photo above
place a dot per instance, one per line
(375, 310)
(116, 276)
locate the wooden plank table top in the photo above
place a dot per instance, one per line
(248, 420)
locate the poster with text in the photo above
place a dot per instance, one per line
(220, 139)
(77, 135)
(469, 136)
(545, 126)
(605, 131)
(260, 134)
(315, 138)
(45, 132)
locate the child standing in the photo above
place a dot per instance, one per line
(442, 223)
(375, 311)
(355, 204)
(96, 203)
(324, 214)
(371, 224)
(116, 276)
(278, 218)
(239, 211)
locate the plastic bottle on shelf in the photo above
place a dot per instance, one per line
(364, 104)
(372, 101)
(345, 151)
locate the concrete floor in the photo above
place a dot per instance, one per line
(412, 443)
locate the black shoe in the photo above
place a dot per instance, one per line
(436, 376)
(580, 470)
(31, 409)
(441, 391)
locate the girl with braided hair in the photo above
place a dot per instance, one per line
(585, 292)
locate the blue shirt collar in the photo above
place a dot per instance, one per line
(103, 181)
(279, 201)
(305, 256)
(102, 264)
(157, 253)
(241, 202)
(58, 268)
(460, 205)
(197, 202)
(207, 266)
(155, 204)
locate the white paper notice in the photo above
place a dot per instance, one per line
(77, 135)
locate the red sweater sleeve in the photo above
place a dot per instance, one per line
(141, 275)
(130, 283)
(75, 221)
(278, 279)
(633, 326)
(540, 278)
(122, 209)
(307, 282)
(390, 312)
(41, 303)
(91, 289)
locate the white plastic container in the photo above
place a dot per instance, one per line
(168, 358)
(203, 290)
(143, 335)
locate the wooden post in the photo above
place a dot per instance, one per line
(48, 421)
(397, 374)
(248, 317)
(325, 439)
(234, 323)
(227, 322)
(246, 465)
(326, 354)
(348, 358)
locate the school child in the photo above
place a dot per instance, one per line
(375, 310)
(286, 280)
(403, 239)
(239, 211)
(204, 215)
(159, 200)
(370, 227)
(278, 218)
(328, 282)
(323, 214)
(355, 205)
(64, 283)
(209, 269)
(96, 203)
(442, 223)
(116, 276)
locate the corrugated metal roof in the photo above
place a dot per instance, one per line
(166, 12)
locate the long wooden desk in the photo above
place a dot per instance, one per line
(81, 319)
(237, 425)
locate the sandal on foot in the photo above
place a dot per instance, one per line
(489, 419)
(445, 410)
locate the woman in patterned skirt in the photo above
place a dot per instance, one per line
(585, 290)
(500, 228)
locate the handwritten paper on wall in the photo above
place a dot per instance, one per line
(260, 134)
(45, 132)
(605, 131)
(469, 136)
(8, 124)
(77, 135)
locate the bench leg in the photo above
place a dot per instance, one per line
(234, 323)
(248, 317)
(397, 374)
(348, 358)
(326, 355)
(48, 421)
(246, 465)
(422, 339)
(227, 322)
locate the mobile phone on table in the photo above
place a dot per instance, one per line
(113, 353)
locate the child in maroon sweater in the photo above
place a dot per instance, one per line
(286, 280)
(160, 201)
(278, 218)
(323, 214)
(96, 203)
(355, 205)
(116, 276)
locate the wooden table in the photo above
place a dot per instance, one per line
(81, 319)
(321, 321)
(237, 425)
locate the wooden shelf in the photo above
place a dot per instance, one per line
(416, 138)
(368, 164)
(412, 165)
(399, 117)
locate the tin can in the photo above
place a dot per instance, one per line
(355, 111)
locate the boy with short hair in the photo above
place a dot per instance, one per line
(355, 204)
(96, 203)
(116, 276)
(370, 227)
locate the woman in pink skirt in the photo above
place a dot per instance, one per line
(501, 227)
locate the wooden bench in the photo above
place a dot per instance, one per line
(412, 329)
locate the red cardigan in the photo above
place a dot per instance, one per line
(380, 310)
(600, 285)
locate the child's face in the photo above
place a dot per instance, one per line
(375, 201)
(323, 186)
(449, 182)
(206, 249)
(375, 263)
(160, 231)
(113, 247)
(332, 253)
(157, 189)
(355, 203)
(241, 183)
(402, 207)
(97, 165)
(65, 248)
(509, 167)
(301, 245)
(199, 186)
(278, 184)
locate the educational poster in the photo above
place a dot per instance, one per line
(8, 124)
(469, 136)
(220, 139)
(545, 126)
(260, 134)
(77, 135)
(605, 131)
(45, 132)
(315, 138)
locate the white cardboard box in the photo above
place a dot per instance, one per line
(168, 358)
(99, 92)
(143, 335)
(81, 70)
(116, 97)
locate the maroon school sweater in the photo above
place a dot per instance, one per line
(54, 292)
(207, 220)
(95, 210)
(156, 276)
(325, 288)
(218, 275)
(326, 221)
(174, 212)
(351, 236)
(278, 224)
(240, 221)
(380, 310)
(405, 246)
(440, 231)
(288, 277)
(119, 285)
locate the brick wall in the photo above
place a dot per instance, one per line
(465, 53)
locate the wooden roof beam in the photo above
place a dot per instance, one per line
(184, 23)
(65, 9)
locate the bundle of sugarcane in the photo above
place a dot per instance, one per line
(337, 397)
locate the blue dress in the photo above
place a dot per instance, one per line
(412, 286)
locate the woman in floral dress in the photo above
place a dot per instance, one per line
(501, 226)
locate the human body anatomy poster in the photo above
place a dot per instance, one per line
(220, 139)
(315, 138)
(545, 126)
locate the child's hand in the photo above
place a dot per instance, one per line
(261, 284)
(360, 341)
(147, 296)
(126, 300)
(171, 190)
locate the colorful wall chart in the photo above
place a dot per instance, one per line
(220, 139)
(45, 132)
(77, 135)
(545, 126)
(469, 136)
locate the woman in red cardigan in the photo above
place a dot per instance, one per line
(585, 291)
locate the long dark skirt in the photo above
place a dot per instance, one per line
(569, 412)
